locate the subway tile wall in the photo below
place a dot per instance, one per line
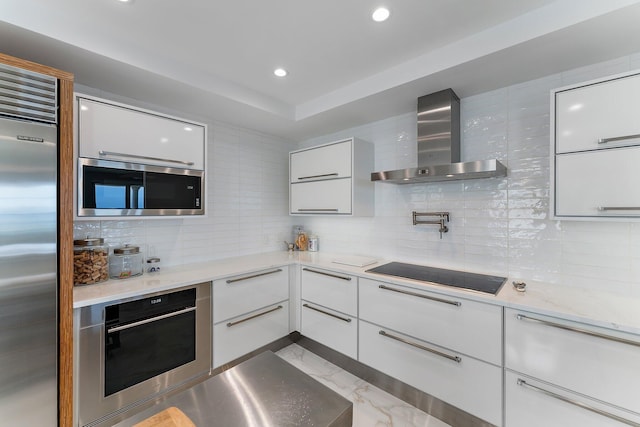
(498, 226)
(247, 201)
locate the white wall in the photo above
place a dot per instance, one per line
(247, 201)
(498, 226)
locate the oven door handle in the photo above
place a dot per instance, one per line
(152, 319)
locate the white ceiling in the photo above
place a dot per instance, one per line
(215, 58)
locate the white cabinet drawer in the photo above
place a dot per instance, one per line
(322, 197)
(465, 326)
(466, 383)
(241, 294)
(243, 334)
(126, 134)
(338, 291)
(568, 354)
(604, 110)
(336, 330)
(531, 403)
(598, 183)
(322, 162)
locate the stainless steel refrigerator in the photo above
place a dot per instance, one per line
(28, 249)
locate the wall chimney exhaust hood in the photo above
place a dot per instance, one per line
(439, 146)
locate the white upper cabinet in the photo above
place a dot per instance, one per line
(326, 162)
(599, 115)
(112, 131)
(332, 179)
(595, 148)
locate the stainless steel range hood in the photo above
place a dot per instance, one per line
(439, 146)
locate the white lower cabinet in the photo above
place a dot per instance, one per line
(466, 326)
(334, 329)
(243, 334)
(532, 403)
(249, 310)
(329, 309)
(462, 381)
(589, 363)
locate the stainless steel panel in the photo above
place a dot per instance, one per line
(264, 391)
(447, 172)
(28, 95)
(28, 274)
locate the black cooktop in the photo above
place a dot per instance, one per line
(440, 276)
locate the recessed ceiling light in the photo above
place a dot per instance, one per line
(280, 72)
(380, 14)
(125, 1)
(188, 129)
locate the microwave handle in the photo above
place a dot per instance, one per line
(103, 153)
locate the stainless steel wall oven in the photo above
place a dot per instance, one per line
(133, 350)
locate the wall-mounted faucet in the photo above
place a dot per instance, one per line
(444, 216)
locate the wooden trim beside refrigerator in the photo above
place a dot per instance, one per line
(65, 258)
(65, 232)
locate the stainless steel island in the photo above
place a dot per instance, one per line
(264, 391)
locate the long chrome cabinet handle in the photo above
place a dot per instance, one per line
(135, 156)
(578, 330)
(414, 294)
(327, 274)
(617, 138)
(324, 175)
(619, 208)
(253, 276)
(344, 319)
(318, 210)
(456, 359)
(153, 319)
(230, 324)
(582, 405)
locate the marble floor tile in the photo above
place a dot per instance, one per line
(372, 407)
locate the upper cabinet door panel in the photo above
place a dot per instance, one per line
(115, 132)
(599, 115)
(598, 183)
(325, 162)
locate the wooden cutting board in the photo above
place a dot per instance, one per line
(170, 417)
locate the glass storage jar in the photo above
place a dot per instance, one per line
(125, 262)
(153, 265)
(90, 261)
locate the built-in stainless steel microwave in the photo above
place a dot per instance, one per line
(111, 188)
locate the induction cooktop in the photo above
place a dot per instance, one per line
(458, 279)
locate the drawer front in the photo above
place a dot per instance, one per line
(322, 197)
(598, 183)
(468, 384)
(243, 334)
(336, 330)
(594, 366)
(324, 162)
(606, 110)
(338, 291)
(531, 403)
(241, 294)
(471, 328)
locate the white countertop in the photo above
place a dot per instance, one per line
(595, 308)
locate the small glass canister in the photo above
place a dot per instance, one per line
(90, 261)
(153, 265)
(125, 262)
(313, 243)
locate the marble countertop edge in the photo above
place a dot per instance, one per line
(607, 310)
